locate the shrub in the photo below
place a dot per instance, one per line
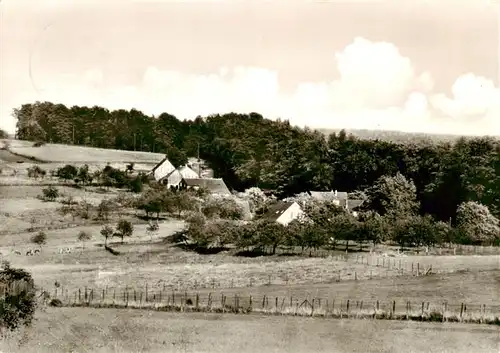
(136, 184)
(68, 172)
(39, 143)
(50, 193)
(36, 172)
(39, 239)
(17, 307)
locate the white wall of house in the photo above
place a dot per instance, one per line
(293, 212)
(163, 170)
(174, 178)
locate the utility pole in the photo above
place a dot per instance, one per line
(73, 134)
(134, 141)
(199, 164)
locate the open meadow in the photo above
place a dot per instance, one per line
(84, 330)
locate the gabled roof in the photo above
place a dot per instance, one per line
(214, 185)
(353, 204)
(275, 211)
(328, 195)
(187, 172)
(166, 162)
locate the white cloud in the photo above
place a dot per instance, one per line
(377, 88)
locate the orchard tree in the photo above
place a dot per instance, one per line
(106, 232)
(152, 229)
(84, 236)
(124, 229)
(476, 223)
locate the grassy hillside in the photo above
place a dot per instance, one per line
(79, 154)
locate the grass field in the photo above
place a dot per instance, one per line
(130, 331)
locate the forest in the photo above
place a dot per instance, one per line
(249, 150)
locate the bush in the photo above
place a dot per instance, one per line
(39, 239)
(68, 172)
(39, 143)
(136, 184)
(17, 307)
(50, 193)
(36, 172)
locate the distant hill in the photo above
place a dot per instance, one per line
(397, 136)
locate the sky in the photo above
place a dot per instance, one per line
(416, 66)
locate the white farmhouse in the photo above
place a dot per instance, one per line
(162, 169)
(284, 212)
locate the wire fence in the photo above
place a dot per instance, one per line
(145, 298)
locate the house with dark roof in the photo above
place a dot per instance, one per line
(283, 212)
(215, 186)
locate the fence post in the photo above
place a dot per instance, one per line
(210, 300)
(393, 308)
(102, 298)
(114, 294)
(312, 307)
(461, 311)
(250, 303)
(197, 301)
(378, 305)
(418, 268)
(79, 295)
(146, 292)
(263, 301)
(422, 315)
(347, 307)
(135, 296)
(276, 304)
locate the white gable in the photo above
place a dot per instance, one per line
(164, 169)
(174, 178)
(293, 212)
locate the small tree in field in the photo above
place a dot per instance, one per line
(124, 228)
(50, 193)
(104, 209)
(39, 239)
(152, 229)
(84, 236)
(106, 232)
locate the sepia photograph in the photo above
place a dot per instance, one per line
(288, 176)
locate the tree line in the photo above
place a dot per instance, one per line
(248, 150)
